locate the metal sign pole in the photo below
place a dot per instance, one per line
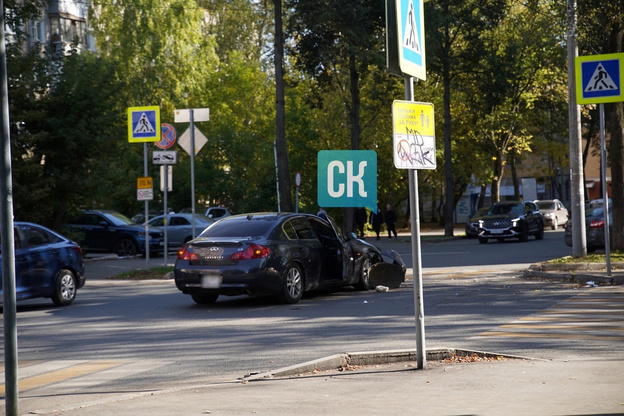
(165, 211)
(9, 308)
(605, 189)
(419, 309)
(147, 236)
(192, 127)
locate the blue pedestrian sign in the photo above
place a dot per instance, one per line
(599, 78)
(347, 178)
(144, 124)
(411, 37)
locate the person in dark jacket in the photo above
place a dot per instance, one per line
(360, 220)
(390, 220)
(375, 219)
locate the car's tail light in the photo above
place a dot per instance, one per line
(596, 224)
(254, 251)
(78, 249)
(185, 254)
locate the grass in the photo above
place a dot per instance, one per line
(615, 256)
(157, 273)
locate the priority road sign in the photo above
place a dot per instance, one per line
(599, 78)
(143, 124)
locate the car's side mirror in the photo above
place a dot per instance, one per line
(103, 223)
(351, 236)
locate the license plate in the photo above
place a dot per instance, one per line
(211, 281)
(496, 231)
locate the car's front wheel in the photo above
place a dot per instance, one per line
(64, 288)
(364, 282)
(540, 232)
(483, 240)
(126, 247)
(292, 288)
(204, 298)
(524, 235)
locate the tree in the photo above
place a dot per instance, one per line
(601, 29)
(335, 41)
(453, 47)
(64, 112)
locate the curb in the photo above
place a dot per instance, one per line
(584, 273)
(342, 361)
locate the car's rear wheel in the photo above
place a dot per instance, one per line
(64, 288)
(126, 247)
(483, 240)
(292, 289)
(364, 282)
(204, 298)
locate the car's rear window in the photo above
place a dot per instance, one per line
(239, 228)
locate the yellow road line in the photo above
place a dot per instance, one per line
(64, 374)
(554, 326)
(542, 335)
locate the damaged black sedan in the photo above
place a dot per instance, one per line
(277, 254)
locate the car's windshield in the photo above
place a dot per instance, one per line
(500, 209)
(546, 205)
(118, 219)
(240, 227)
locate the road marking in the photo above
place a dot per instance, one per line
(557, 336)
(592, 315)
(72, 375)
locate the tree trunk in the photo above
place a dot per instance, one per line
(283, 174)
(354, 116)
(449, 204)
(616, 120)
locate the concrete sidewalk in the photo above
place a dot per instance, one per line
(505, 386)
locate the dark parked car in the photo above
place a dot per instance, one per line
(511, 220)
(472, 226)
(280, 254)
(594, 229)
(47, 265)
(112, 232)
(180, 228)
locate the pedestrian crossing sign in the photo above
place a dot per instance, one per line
(143, 124)
(411, 37)
(599, 78)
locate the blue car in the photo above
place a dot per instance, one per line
(111, 232)
(47, 265)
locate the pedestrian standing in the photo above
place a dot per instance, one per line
(375, 219)
(390, 220)
(360, 220)
(322, 213)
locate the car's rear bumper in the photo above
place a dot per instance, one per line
(232, 282)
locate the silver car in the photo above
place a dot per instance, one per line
(554, 212)
(180, 227)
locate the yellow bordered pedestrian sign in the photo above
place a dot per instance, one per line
(144, 124)
(599, 78)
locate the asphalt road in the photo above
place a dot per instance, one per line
(127, 335)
